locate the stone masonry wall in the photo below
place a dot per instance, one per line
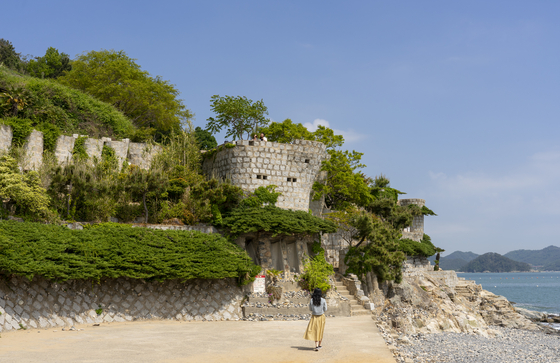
(139, 154)
(33, 149)
(43, 304)
(64, 149)
(251, 164)
(419, 266)
(416, 231)
(5, 137)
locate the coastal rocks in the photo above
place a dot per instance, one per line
(422, 304)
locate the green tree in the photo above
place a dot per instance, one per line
(343, 185)
(238, 115)
(287, 132)
(52, 65)
(205, 139)
(143, 183)
(380, 254)
(8, 55)
(24, 192)
(115, 78)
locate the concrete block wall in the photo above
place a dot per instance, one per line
(140, 154)
(251, 164)
(64, 149)
(33, 151)
(42, 304)
(5, 137)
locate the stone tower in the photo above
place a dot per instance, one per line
(416, 230)
(251, 164)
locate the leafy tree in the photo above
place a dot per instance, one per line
(380, 254)
(24, 192)
(52, 65)
(221, 197)
(262, 196)
(238, 115)
(8, 55)
(343, 185)
(287, 132)
(205, 139)
(113, 77)
(142, 183)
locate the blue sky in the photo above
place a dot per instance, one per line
(456, 102)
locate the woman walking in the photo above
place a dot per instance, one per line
(316, 326)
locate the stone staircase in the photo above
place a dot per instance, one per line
(355, 307)
(466, 288)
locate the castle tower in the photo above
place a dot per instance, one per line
(252, 164)
(416, 230)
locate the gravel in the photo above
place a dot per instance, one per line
(508, 346)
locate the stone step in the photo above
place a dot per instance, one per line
(264, 300)
(360, 312)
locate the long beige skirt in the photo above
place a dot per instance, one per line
(315, 328)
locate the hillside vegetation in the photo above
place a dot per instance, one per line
(45, 104)
(494, 262)
(546, 256)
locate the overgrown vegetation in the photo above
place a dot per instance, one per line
(114, 250)
(46, 102)
(316, 271)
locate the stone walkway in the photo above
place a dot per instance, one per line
(349, 340)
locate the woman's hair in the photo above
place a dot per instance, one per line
(316, 297)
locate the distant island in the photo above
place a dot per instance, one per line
(547, 259)
(494, 262)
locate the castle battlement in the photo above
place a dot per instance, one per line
(416, 231)
(136, 153)
(293, 168)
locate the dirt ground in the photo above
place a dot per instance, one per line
(348, 340)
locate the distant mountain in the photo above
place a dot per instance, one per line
(555, 266)
(547, 256)
(467, 256)
(494, 262)
(447, 263)
(455, 260)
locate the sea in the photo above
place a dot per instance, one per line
(538, 291)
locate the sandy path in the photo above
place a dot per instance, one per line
(349, 340)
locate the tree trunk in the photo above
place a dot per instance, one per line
(145, 208)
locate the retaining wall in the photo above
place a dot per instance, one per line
(140, 154)
(43, 304)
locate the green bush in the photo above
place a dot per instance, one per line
(275, 220)
(48, 102)
(21, 129)
(316, 271)
(423, 248)
(113, 250)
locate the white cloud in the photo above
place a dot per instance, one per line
(349, 135)
(531, 187)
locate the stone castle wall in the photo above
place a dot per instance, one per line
(421, 266)
(251, 164)
(139, 154)
(416, 230)
(44, 304)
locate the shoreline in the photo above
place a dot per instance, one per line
(507, 345)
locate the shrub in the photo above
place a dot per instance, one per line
(316, 271)
(113, 250)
